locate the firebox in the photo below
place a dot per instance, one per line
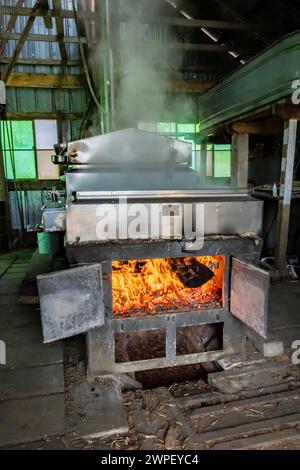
(173, 300)
(174, 303)
(165, 285)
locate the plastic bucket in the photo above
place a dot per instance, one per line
(48, 243)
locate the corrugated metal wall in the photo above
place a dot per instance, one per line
(43, 100)
(40, 100)
(41, 50)
(30, 203)
(31, 100)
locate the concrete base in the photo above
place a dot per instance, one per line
(267, 347)
(97, 410)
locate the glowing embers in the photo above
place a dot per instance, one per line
(151, 286)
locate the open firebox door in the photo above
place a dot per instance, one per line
(249, 295)
(72, 300)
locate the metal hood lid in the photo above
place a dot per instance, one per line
(128, 146)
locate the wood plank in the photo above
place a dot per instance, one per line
(186, 46)
(59, 22)
(258, 128)
(183, 22)
(246, 411)
(253, 377)
(281, 439)
(187, 23)
(12, 316)
(45, 13)
(39, 80)
(31, 419)
(44, 4)
(287, 111)
(163, 66)
(27, 116)
(188, 86)
(50, 62)
(45, 80)
(286, 184)
(250, 429)
(31, 382)
(37, 354)
(192, 402)
(42, 38)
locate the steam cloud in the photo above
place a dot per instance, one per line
(142, 68)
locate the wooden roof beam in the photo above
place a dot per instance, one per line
(258, 127)
(33, 61)
(44, 9)
(22, 38)
(188, 12)
(47, 80)
(46, 13)
(41, 37)
(59, 22)
(239, 15)
(10, 26)
(186, 23)
(159, 65)
(146, 44)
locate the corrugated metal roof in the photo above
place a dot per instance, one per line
(41, 49)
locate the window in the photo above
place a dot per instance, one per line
(18, 149)
(222, 161)
(27, 148)
(218, 161)
(184, 132)
(45, 138)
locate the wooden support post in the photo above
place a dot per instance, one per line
(44, 8)
(286, 183)
(59, 22)
(239, 160)
(4, 199)
(201, 161)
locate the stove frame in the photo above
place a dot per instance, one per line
(100, 341)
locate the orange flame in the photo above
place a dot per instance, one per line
(151, 286)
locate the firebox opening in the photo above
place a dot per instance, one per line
(140, 345)
(163, 285)
(151, 344)
(199, 338)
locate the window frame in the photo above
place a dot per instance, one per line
(33, 149)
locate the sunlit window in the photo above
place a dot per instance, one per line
(17, 140)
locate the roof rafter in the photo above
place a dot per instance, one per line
(183, 6)
(10, 26)
(20, 44)
(60, 30)
(44, 8)
(239, 15)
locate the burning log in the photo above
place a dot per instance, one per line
(151, 286)
(191, 272)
